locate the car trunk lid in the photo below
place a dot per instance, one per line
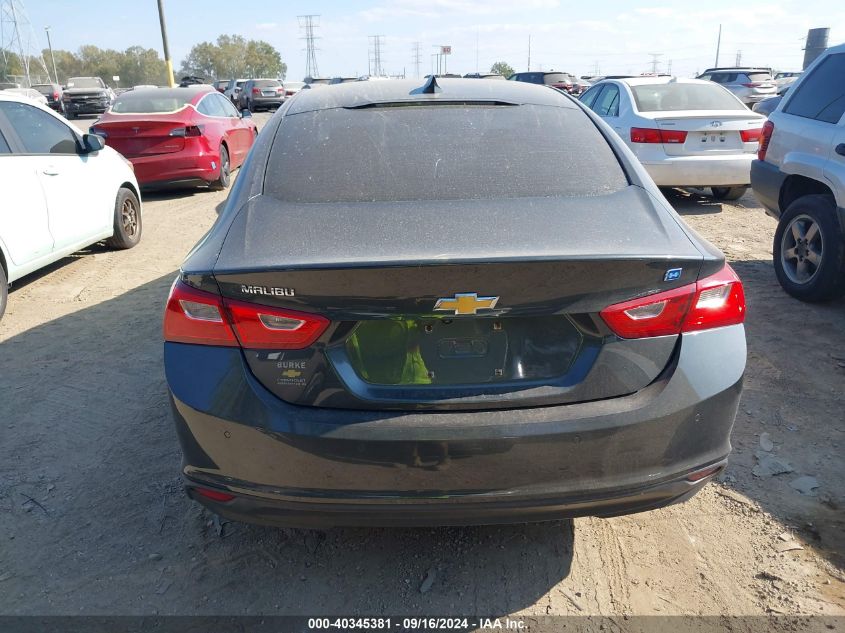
(143, 135)
(709, 132)
(400, 280)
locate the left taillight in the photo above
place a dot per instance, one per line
(652, 135)
(204, 318)
(712, 302)
(198, 317)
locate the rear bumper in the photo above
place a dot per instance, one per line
(701, 171)
(306, 466)
(188, 165)
(267, 102)
(767, 181)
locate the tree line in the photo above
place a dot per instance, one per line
(230, 56)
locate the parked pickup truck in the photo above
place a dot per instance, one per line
(86, 95)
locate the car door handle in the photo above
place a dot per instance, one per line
(50, 171)
(840, 149)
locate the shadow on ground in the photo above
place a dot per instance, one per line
(95, 520)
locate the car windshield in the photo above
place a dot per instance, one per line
(757, 77)
(444, 152)
(557, 78)
(672, 97)
(267, 83)
(151, 101)
(85, 82)
(45, 89)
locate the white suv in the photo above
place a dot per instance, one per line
(799, 177)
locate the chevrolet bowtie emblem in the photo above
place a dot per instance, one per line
(465, 303)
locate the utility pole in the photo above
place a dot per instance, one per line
(476, 50)
(529, 52)
(718, 46)
(416, 50)
(308, 23)
(670, 67)
(738, 58)
(654, 62)
(167, 59)
(52, 57)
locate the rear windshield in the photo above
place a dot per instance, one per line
(266, 83)
(151, 101)
(45, 89)
(85, 82)
(443, 152)
(758, 77)
(557, 78)
(676, 96)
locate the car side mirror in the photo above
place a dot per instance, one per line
(92, 143)
(246, 114)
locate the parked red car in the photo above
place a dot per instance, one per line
(191, 134)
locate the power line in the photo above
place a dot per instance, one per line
(308, 23)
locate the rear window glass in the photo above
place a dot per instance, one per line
(267, 83)
(444, 152)
(45, 89)
(556, 78)
(821, 96)
(85, 82)
(677, 96)
(757, 77)
(151, 101)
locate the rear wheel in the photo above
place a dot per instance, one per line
(728, 193)
(225, 171)
(127, 220)
(251, 106)
(4, 291)
(809, 250)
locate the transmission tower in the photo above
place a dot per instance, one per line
(417, 58)
(655, 61)
(376, 45)
(307, 24)
(17, 37)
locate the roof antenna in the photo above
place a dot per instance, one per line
(428, 88)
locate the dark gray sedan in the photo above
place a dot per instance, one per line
(449, 303)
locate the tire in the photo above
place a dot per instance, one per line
(809, 250)
(728, 193)
(127, 220)
(225, 178)
(250, 106)
(4, 291)
(70, 115)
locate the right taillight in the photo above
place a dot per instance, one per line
(765, 138)
(204, 318)
(651, 135)
(714, 301)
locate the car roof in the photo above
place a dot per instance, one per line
(739, 69)
(649, 81)
(366, 93)
(163, 93)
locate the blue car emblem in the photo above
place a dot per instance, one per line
(672, 274)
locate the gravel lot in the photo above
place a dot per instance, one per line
(93, 519)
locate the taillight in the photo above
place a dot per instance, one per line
(650, 135)
(55, 96)
(751, 136)
(256, 91)
(187, 131)
(196, 316)
(753, 85)
(204, 318)
(715, 301)
(765, 139)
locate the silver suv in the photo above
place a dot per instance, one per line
(799, 177)
(750, 85)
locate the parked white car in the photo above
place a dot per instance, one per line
(29, 93)
(686, 132)
(61, 191)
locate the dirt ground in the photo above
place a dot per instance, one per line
(93, 519)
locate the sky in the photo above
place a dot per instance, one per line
(584, 38)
